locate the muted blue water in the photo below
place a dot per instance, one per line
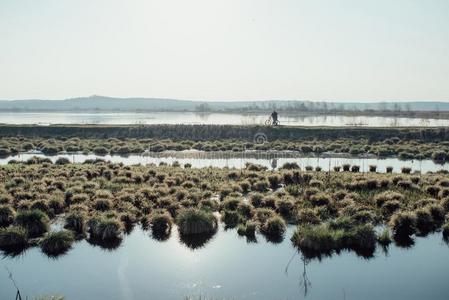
(229, 267)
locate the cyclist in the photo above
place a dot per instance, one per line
(274, 117)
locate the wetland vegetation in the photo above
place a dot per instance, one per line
(391, 147)
(55, 206)
(100, 202)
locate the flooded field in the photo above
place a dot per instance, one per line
(211, 118)
(140, 263)
(271, 160)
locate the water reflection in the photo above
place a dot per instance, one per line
(252, 239)
(304, 282)
(362, 252)
(238, 160)
(106, 244)
(16, 252)
(196, 241)
(229, 268)
(406, 242)
(274, 239)
(446, 238)
(211, 118)
(161, 234)
(55, 253)
(274, 163)
(128, 227)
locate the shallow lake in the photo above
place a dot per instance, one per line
(229, 267)
(238, 160)
(209, 118)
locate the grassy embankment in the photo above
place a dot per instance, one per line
(405, 143)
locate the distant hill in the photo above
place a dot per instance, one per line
(108, 104)
(95, 103)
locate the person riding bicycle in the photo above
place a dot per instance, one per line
(274, 117)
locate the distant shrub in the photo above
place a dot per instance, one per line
(355, 169)
(290, 166)
(50, 150)
(62, 161)
(440, 156)
(101, 151)
(406, 170)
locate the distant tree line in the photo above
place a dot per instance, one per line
(307, 106)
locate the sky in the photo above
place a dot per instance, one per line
(339, 50)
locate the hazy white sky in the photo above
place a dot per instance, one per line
(225, 49)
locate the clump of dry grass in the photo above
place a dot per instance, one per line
(195, 221)
(101, 197)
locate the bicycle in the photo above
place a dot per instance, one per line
(269, 121)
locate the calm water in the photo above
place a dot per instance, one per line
(228, 267)
(234, 160)
(212, 118)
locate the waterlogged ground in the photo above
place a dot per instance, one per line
(209, 118)
(238, 160)
(228, 267)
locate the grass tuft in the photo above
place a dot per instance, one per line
(194, 221)
(13, 238)
(57, 243)
(76, 221)
(403, 224)
(7, 214)
(161, 224)
(274, 227)
(34, 221)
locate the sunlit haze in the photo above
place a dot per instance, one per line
(349, 50)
